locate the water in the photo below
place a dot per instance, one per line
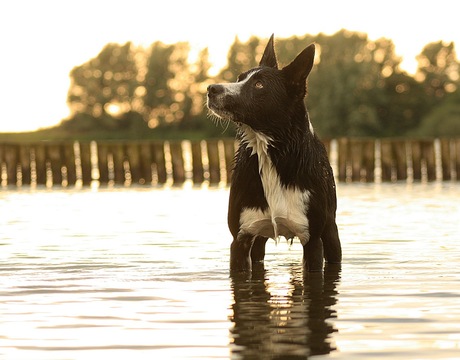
(142, 273)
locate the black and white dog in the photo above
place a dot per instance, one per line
(282, 184)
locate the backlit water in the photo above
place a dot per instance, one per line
(142, 273)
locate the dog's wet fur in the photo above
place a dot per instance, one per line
(282, 184)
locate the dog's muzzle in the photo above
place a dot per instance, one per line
(219, 101)
(214, 90)
(215, 96)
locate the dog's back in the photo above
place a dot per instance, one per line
(282, 183)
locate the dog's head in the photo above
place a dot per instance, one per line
(266, 95)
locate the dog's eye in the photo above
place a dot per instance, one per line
(259, 85)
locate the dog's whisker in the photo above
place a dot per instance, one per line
(227, 124)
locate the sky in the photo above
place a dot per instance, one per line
(41, 41)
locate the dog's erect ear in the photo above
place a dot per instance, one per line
(269, 57)
(297, 71)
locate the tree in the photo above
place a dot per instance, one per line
(158, 96)
(438, 69)
(401, 110)
(444, 119)
(356, 87)
(200, 82)
(438, 73)
(242, 56)
(195, 117)
(348, 83)
(169, 91)
(105, 84)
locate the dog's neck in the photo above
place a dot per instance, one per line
(258, 142)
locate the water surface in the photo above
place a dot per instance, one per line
(142, 273)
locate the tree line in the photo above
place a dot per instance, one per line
(356, 88)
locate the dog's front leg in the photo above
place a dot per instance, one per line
(240, 253)
(313, 255)
(258, 249)
(331, 243)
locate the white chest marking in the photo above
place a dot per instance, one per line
(285, 215)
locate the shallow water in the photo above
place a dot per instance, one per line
(142, 273)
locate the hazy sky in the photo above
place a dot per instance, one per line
(41, 41)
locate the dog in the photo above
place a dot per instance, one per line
(282, 183)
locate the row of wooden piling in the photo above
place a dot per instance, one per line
(176, 162)
(398, 159)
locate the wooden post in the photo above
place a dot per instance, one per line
(54, 156)
(362, 159)
(429, 158)
(69, 162)
(145, 165)
(2, 161)
(133, 157)
(343, 158)
(214, 164)
(446, 159)
(103, 162)
(229, 151)
(40, 163)
(197, 163)
(24, 155)
(457, 158)
(177, 160)
(356, 159)
(369, 160)
(159, 161)
(386, 160)
(11, 158)
(117, 151)
(85, 154)
(416, 159)
(400, 159)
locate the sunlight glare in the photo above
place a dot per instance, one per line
(279, 286)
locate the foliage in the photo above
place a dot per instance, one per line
(438, 70)
(346, 89)
(356, 88)
(241, 57)
(105, 83)
(444, 119)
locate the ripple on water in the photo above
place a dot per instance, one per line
(144, 273)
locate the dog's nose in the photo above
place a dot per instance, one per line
(215, 89)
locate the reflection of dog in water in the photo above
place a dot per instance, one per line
(282, 184)
(268, 323)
